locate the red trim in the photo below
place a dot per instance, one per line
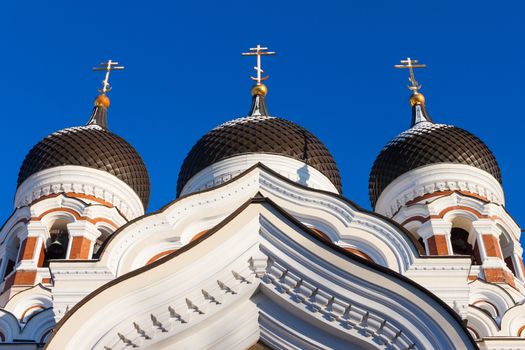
(445, 193)
(74, 195)
(488, 302)
(159, 255)
(421, 219)
(76, 215)
(521, 331)
(30, 308)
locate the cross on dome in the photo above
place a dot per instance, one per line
(410, 64)
(258, 51)
(108, 67)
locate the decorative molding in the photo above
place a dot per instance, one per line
(229, 168)
(83, 180)
(438, 177)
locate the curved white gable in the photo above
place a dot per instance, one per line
(261, 276)
(175, 225)
(229, 168)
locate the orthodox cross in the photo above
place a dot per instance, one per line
(258, 51)
(108, 67)
(411, 64)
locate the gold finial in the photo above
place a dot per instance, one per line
(260, 90)
(417, 99)
(102, 100)
(258, 51)
(108, 67)
(411, 64)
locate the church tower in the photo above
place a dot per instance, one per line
(75, 188)
(444, 184)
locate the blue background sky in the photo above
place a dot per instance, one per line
(333, 74)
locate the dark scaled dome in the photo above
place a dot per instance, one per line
(93, 146)
(259, 133)
(427, 143)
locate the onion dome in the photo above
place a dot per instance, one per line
(93, 146)
(427, 143)
(258, 132)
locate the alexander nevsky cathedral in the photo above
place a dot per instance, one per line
(260, 249)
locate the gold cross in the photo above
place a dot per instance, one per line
(108, 67)
(411, 64)
(258, 51)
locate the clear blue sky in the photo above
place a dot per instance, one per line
(333, 74)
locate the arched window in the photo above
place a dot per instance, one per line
(56, 247)
(11, 255)
(459, 240)
(507, 249)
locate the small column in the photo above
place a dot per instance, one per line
(5, 259)
(82, 238)
(436, 235)
(487, 238)
(31, 253)
(517, 261)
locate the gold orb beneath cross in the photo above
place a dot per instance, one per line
(417, 99)
(259, 89)
(102, 100)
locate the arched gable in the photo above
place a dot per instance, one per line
(262, 269)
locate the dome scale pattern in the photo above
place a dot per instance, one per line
(90, 146)
(259, 134)
(428, 143)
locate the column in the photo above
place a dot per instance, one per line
(494, 267)
(82, 237)
(436, 235)
(31, 253)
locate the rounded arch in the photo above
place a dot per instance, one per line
(486, 295)
(9, 326)
(481, 323)
(513, 320)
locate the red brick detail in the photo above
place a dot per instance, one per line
(80, 248)
(472, 277)
(28, 248)
(446, 193)
(76, 215)
(159, 255)
(499, 275)
(24, 278)
(41, 256)
(492, 246)
(510, 264)
(437, 245)
(47, 280)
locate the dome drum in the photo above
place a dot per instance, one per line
(262, 135)
(229, 168)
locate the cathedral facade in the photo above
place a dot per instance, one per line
(260, 249)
